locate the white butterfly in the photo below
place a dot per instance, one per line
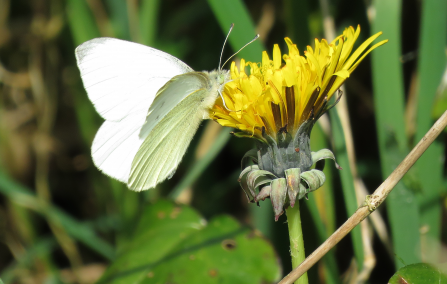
(152, 104)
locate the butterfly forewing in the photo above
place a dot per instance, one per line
(123, 77)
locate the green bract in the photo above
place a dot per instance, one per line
(282, 169)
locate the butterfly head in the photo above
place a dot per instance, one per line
(219, 78)
(223, 77)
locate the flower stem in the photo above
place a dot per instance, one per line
(296, 240)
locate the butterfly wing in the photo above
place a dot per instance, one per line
(168, 139)
(116, 144)
(123, 77)
(170, 95)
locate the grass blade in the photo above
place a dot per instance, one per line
(81, 21)
(296, 15)
(24, 196)
(322, 208)
(389, 104)
(430, 165)
(234, 11)
(149, 12)
(119, 18)
(347, 183)
(41, 248)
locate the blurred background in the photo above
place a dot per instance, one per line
(62, 221)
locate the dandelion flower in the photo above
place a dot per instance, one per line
(278, 103)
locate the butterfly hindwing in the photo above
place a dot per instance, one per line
(166, 144)
(171, 94)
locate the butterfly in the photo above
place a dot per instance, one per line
(152, 103)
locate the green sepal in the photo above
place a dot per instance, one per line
(327, 107)
(293, 177)
(258, 177)
(264, 193)
(303, 191)
(314, 179)
(278, 196)
(242, 134)
(251, 154)
(319, 157)
(243, 182)
(247, 170)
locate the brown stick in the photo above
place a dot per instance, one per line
(371, 203)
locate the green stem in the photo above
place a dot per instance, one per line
(296, 239)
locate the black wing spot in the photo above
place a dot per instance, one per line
(157, 117)
(162, 104)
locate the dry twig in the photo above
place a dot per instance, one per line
(371, 203)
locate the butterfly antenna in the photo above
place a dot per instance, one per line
(255, 38)
(220, 61)
(224, 104)
(221, 53)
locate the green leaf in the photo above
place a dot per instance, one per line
(161, 227)
(420, 273)
(173, 244)
(223, 252)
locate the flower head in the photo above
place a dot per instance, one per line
(277, 103)
(285, 92)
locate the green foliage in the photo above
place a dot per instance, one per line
(234, 11)
(59, 214)
(347, 181)
(431, 65)
(174, 244)
(81, 232)
(389, 101)
(420, 273)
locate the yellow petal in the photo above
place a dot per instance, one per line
(359, 50)
(265, 59)
(342, 73)
(276, 57)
